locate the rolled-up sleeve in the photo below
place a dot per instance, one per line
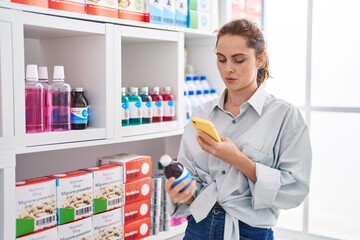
(286, 184)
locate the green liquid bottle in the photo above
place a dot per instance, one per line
(135, 108)
(146, 105)
(125, 115)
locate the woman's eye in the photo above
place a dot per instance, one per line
(222, 60)
(239, 60)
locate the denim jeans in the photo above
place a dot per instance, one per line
(212, 228)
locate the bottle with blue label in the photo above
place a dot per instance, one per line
(125, 115)
(135, 107)
(176, 170)
(79, 109)
(147, 110)
(169, 104)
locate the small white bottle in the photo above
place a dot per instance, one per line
(44, 80)
(213, 93)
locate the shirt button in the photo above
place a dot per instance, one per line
(223, 172)
(234, 121)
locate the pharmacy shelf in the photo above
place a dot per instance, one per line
(172, 232)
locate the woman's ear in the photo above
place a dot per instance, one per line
(261, 60)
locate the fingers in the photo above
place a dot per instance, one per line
(175, 193)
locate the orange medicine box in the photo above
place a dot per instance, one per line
(68, 5)
(137, 230)
(38, 3)
(136, 211)
(137, 191)
(135, 166)
(108, 8)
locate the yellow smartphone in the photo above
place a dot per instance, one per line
(206, 126)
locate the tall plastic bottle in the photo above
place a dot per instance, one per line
(176, 170)
(204, 83)
(158, 110)
(147, 109)
(169, 104)
(214, 94)
(135, 108)
(44, 80)
(187, 109)
(190, 85)
(125, 114)
(79, 109)
(193, 100)
(59, 95)
(34, 101)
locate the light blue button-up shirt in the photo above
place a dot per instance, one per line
(275, 136)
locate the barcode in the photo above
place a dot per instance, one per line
(132, 237)
(115, 201)
(83, 211)
(131, 197)
(169, 20)
(156, 18)
(182, 23)
(131, 217)
(133, 175)
(45, 221)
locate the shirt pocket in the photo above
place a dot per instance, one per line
(258, 156)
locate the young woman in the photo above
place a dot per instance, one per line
(263, 162)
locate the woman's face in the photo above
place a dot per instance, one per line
(237, 63)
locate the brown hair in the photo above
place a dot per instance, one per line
(255, 39)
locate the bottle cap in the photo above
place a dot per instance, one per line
(59, 73)
(43, 73)
(123, 89)
(196, 78)
(144, 89)
(31, 72)
(78, 89)
(155, 89)
(167, 89)
(165, 160)
(133, 90)
(202, 77)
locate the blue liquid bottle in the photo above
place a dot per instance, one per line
(135, 108)
(124, 108)
(147, 110)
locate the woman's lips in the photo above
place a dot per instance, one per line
(230, 79)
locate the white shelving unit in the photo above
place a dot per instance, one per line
(102, 55)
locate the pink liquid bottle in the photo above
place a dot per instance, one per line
(169, 104)
(44, 80)
(34, 101)
(59, 96)
(157, 100)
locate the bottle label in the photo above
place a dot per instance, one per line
(79, 115)
(147, 110)
(135, 110)
(184, 175)
(158, 109)
(169, 108)
(125, 111)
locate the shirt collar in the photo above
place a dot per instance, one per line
(257, 100)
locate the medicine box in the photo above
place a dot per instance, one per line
(74, 192)
(136, 10)
(136, 211)
(156, 11)
(137, 230)
(35, 205)
(108, 225)
(181, 13)
(107, 8)
(80, 229)
(68, 5)
(137, 191)
(169, 12)
(107, 186)
(49, 233)
(200, 5)
(37, 3)
(134, 166)
(199, 20)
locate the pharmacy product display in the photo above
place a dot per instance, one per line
(169, 104)
(79, 109)
(147, 109)
(157, 105)
(135, 108)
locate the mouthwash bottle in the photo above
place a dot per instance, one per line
(60, 101)
(169, 105)
(157, 105)
(79, 109)
(34, 101)
(176, 170)
(124, 108)
(135, 108)
(147, 109)
(44, 80)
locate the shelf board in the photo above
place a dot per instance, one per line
(152, 128)
(173, 231)
(189, 32)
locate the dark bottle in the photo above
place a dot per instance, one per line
(79, 109)
(176, 170)
(146, 105)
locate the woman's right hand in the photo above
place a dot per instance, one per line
(174, 193)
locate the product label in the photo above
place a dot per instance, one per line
(35, 206)
(125, 110)
(169, 108)
(135, 109)
(50, 233)
(79, 115)
(147, 110)
(158, 109)
(81, 229)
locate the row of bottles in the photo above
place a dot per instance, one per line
(142, 107)
(53, 106)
